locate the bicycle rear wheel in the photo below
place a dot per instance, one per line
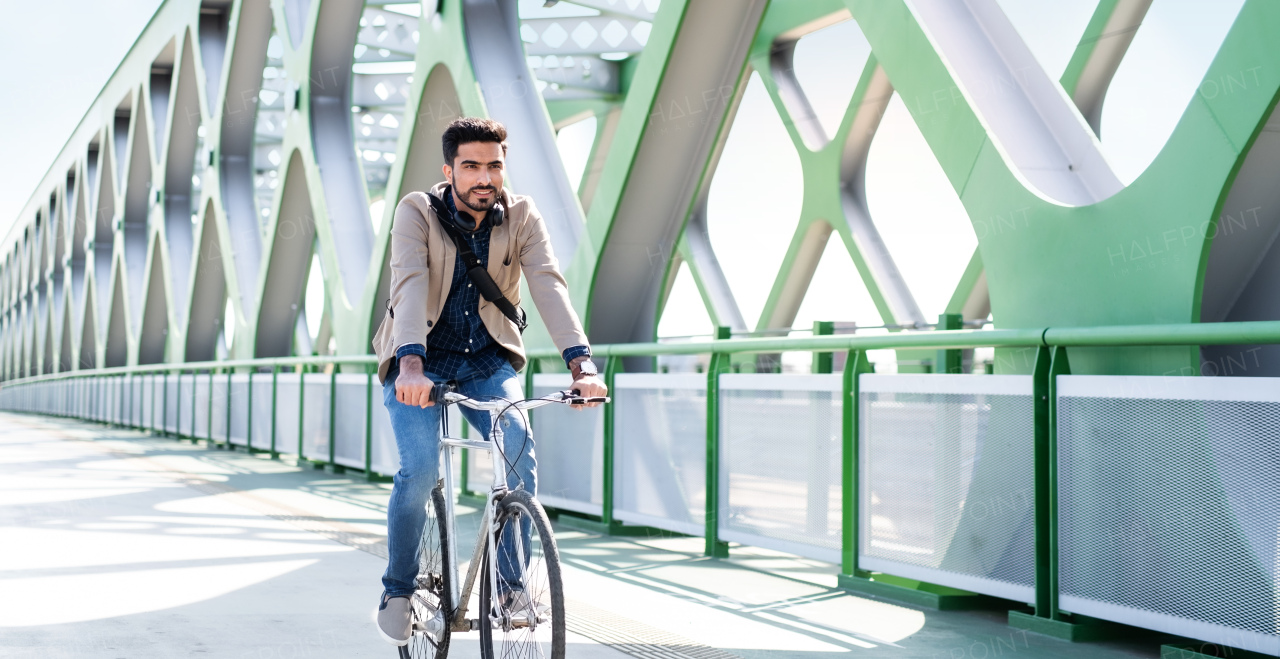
(527, 619)
(431, 606)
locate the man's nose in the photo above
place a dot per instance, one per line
(485, 179)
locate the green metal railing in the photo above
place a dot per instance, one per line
(1050, 345)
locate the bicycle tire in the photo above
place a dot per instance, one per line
(434, 587)
(541, 577)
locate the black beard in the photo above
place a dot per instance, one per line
(466, 197)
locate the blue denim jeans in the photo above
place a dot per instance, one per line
(418, 432)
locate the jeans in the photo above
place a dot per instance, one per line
(418, 433)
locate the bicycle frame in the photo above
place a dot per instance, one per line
(461, 593)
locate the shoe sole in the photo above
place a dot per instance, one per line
(385, 636)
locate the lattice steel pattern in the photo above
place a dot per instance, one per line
(946, 487)
(660, 451)
(1168, 492)
(780, 463)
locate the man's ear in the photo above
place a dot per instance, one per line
(448, 172)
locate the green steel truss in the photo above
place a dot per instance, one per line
(234, 142)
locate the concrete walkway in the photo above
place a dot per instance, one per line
(115, 544)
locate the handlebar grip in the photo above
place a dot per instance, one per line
(439, 389)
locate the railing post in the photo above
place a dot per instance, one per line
(719, 364)
(195, 396)
(1048, 619)
(227, 395)
(163, 378)
(950, 361)
(302, 419)
(275, 376)
(855, 364)
(177, 402)
(1048, 489)
(248, 424)
(209, 430)
(823, 362)
(333, 419)
(611, 367)
(368, 424)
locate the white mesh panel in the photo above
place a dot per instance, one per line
(147, 401)
(947, 480)
(569, 450)
(204, 405)
(480, 468)
(349, 419)
(286, 417)
(260, 438)
(780, 460)
(1167, 504)
(315, 428)
(218, 411)
(136, 392)
(117, 400)
(240, 409)
(660, 450)
(173, 412)
(185, 421)
(386, 459)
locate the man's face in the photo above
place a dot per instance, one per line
(477, 174)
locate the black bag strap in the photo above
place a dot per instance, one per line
(476, 271)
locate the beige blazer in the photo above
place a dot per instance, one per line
(422, 261)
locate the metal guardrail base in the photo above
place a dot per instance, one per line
(1205, 651)
(919, 593)
(1083, 630)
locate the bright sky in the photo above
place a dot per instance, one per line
(914, 207)
(49, 79)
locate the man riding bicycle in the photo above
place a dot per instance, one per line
(457, 253)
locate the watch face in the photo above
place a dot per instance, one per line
(588, 367)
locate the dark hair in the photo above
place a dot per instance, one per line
(471, 129)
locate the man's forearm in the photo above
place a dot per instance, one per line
(411, 365)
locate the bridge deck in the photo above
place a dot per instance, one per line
(118, 544)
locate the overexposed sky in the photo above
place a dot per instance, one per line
(51, 81)
(57, 54)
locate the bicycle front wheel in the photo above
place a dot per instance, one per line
(431, 606)
(522, 595)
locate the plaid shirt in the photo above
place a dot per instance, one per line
(460, 336)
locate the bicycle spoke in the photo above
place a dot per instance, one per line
(430, 605)
(525, 607)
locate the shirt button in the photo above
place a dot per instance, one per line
(468, 285)
(467, 350)
(466, 313)
(470, 341)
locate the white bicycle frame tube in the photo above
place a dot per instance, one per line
(488, 523)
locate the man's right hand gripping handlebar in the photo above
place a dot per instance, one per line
(412, 386)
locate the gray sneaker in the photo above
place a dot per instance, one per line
(392, 619)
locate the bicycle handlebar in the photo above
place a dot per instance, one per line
(448, 394)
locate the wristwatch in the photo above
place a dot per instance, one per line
(587, 367)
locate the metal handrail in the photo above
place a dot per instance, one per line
(1260, 332)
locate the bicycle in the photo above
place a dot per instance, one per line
(527, 618)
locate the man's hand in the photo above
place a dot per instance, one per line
(412, 387)
(588, 386)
